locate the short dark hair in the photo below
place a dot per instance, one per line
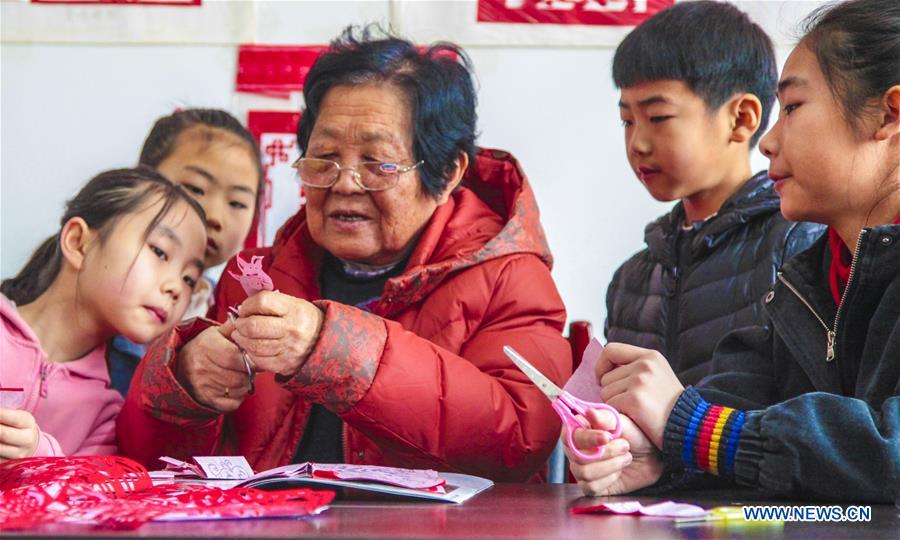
(437, 82)
(713, 47)
(160, 142)
(857, 45)
(100, 203)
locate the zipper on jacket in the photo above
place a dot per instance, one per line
(43, 388)
(840, 308)
(830, 333)
(672, 317)
(33, 390)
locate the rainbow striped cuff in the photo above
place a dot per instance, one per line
(702, 436)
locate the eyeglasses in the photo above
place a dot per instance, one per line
(369, 175)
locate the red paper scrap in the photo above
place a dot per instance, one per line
(668, 509)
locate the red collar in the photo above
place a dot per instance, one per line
(839, 273)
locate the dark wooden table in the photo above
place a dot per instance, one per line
(505, 511)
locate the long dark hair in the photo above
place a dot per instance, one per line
(160, 142)
(101, 203)
(857, 45)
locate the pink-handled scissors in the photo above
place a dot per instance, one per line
(565, 404)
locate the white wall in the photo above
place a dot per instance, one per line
(69, 110)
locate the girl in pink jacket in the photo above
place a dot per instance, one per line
(125, 260)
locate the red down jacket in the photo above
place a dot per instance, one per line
(419, 382)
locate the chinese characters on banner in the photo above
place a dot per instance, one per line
(270, 76)
(276, 133)
(579, 12)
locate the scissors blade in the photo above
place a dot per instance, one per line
(546, 385)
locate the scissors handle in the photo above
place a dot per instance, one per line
(251, 387)
(566, 405)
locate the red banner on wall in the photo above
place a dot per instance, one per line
(124, 2)
(274, 69)
(582, 12)
(276, 133)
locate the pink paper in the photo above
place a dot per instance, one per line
(11, 399)
(225, 467)
(408, 478)
(583, 383)
(666, 509)
(253, 278)
(181, 468)
(427, 480)
(211, 467)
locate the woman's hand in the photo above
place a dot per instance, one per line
(19, 434)
(278, 331)
(628, 463)
(641, 384)
(211, 369)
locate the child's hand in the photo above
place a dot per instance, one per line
(19, 434)
(628, 463)
(211, 369)
(639, 383)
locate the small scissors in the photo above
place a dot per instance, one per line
(244, 356)
(565, 404)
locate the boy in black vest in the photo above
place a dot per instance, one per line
(697, 85)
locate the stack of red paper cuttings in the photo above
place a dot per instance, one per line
(116, 493)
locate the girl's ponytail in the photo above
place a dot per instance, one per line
(38, 273)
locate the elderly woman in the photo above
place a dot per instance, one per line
(396, 287)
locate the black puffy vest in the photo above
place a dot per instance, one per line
(689, 288)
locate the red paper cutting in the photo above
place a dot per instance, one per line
(106, 474)
(274, 69)
(260, 122)
(116, 493)
(278, 70)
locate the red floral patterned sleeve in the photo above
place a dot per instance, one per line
(158, 410)
(341, 367)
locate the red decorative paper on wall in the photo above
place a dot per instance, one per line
(278, 70)
(124, 2)
(259, 122)
(274, 69)
(276, 134)
(581, 12)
